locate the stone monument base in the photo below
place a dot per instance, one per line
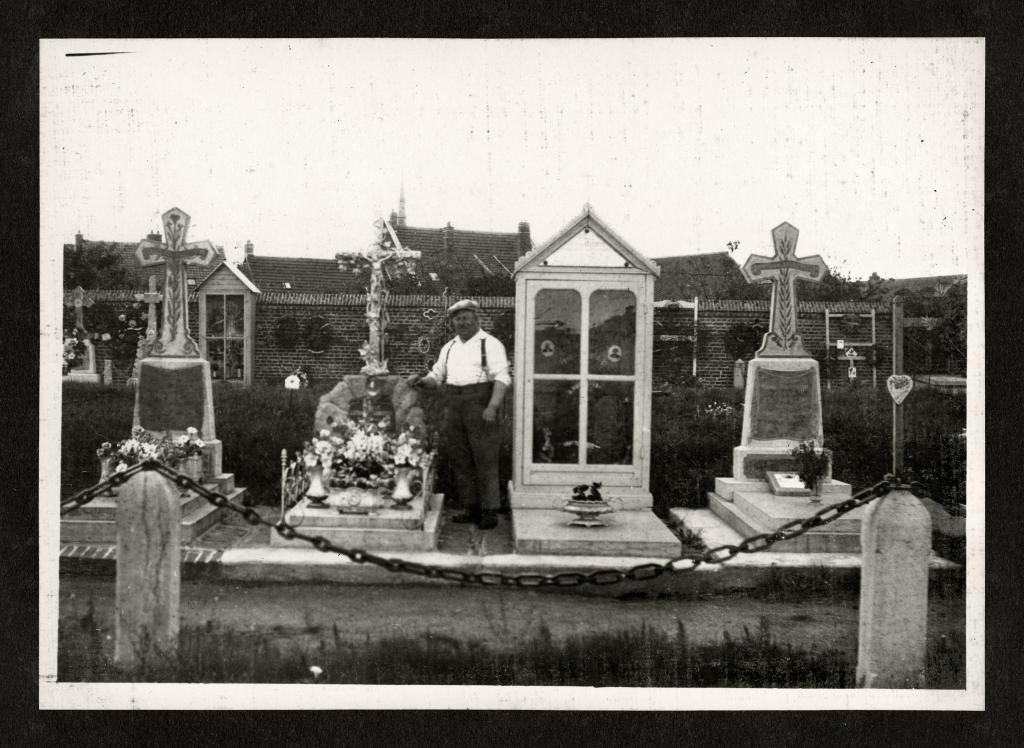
(385, 529)
(96, 521)
(174, 394)
(749, 507)
(626, 533)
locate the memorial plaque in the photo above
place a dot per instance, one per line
(171, 399)
(784, 405)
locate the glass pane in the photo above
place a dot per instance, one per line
(612, 332)
(214, 316)
(215, 355)
(610, 423)
(556, 409)
(556, 344)
(233, 359)
(235, 316)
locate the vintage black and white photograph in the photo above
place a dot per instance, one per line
(617, 374)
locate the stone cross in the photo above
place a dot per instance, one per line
(152, 297)
(782, 271)
(387, 249)
(174, 254)
(79, 301)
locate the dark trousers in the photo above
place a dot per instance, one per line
(473, 446)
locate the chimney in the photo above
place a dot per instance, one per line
(401, 206)
(220, 250)
(525, 244)
(448, 234)
(248, 248)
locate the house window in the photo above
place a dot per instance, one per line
(225, 336)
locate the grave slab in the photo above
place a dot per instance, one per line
(627, 533)
(415, 529)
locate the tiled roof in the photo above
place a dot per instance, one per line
(710, 275)
(469, 254)
(301, 275)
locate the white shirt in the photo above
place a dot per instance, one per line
(459, 362)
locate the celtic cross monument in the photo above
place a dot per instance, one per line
(175, 389)
(783, 271)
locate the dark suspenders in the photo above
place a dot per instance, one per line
(483, 356)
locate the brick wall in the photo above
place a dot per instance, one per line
(416, 330)
(414, 337)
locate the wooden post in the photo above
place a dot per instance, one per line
(148, 571)
(897, 368)
(896, 539)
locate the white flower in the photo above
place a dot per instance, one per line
(325, 433)
(182, 440)
(121, 467)
(200, 443)
(316, 671)
(192, 431)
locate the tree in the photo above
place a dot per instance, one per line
(96, 265)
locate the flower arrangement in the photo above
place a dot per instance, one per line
(363, 453)
(74, 350)
(299, 379)
(812, 465)
(139, 447)
(189, 444)
(581, 492)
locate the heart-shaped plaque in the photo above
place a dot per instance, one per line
(899, 386)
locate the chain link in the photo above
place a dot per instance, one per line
(688, 561)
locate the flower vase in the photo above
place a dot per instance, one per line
(106, 471)
(816, 486)
(194, 468)
(316, 493)
(402, 496)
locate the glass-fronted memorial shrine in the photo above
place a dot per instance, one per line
(585, 307)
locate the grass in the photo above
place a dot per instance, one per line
(636, 657)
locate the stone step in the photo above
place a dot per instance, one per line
(369, 538)
(105, 507)
(197, 519)
(771, 511)
(627, 533)
(813, 541)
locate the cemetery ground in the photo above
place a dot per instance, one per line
(792, 629)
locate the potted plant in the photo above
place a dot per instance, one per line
(588, 505)
(812, 466)
(189, 451)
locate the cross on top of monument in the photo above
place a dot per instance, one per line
(386, 249)
(782, 271)
(174, 254)
(78, 302)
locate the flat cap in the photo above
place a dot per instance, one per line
(463, 305)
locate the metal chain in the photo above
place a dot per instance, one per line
(684, 562)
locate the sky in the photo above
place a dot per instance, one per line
(872, 148)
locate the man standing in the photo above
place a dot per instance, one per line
(472, 369)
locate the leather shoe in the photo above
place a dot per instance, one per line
(466, 518)
(488, 521)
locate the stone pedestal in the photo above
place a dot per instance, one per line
(626, 533)
(386, 529)
(782, 407)
(174, 394)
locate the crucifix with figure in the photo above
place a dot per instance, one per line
(782, 271)
(387, 250)
(175, 254)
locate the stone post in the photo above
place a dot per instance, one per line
(148, 570)
(108, 372)
(739, 374)
(895, 545)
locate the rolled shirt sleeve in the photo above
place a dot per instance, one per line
(497, 362)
